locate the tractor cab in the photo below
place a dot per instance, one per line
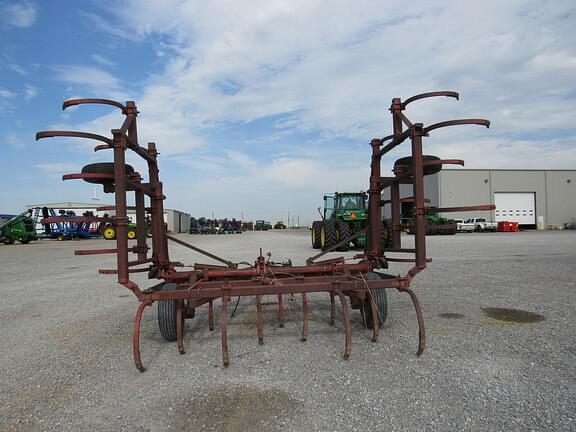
(345, 205)
(345, 214)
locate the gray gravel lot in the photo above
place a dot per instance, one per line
(66, 360)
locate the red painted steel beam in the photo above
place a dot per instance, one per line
(452, 94)
(72, 102)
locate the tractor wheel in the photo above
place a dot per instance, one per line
(343, 233)
(381, 300)
(328, 234)
(8, 241)
(109, 233)
(315, 233)
(60, 237)
(25, 241)
(386, 235)
(405, 164)
(167, 315)
(103, 168)
(131, 234)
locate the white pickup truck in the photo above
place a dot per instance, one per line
(477, 224)
(462, 227)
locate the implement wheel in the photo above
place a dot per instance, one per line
(315, 234)
(167, 315)
(131, 234)
(103, 168)
(405, 164)
(379, 295)
(328, 234)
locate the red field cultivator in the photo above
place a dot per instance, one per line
(361, 283)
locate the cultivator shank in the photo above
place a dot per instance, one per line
(360, 283)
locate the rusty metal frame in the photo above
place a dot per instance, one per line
(207, 282)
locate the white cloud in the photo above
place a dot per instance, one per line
(16, 141)
(55, 170)
(90, 79)
(264, 190)
(30, 92)
(5, 93)
(5, 96)
(103, 60)
(336, 68)
(6, 64)
(20, 14)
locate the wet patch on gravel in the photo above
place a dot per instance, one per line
(512, 315)
(239, 408)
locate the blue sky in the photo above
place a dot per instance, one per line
(260, 107)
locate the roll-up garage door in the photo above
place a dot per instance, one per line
(516, 207)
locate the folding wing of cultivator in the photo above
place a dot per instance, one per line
(180, 292)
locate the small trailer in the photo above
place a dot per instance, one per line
(361, 282)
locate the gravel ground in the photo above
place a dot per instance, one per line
(66, 360)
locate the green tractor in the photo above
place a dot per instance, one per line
(436, 224)
(344, 215)
(21, 228)
(109, 230)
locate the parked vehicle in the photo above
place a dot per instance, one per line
(226, 226)
(279, 225)
(109, 230)
(462, 227)
(19, 228)
(345, 214)
(262, 225)
(435, 224)
(479, 224)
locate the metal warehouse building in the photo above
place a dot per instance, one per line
(543, 199)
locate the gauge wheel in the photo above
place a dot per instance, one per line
(167, 315)
(106, 168)
(379, 295)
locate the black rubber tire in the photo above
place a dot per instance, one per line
(315, 234)
(381, 302)
(8, 241)
(406, 164)
(103, 168)
(386, 235)
(330, 234)
(343, 232)
(167, 315)
(25, 241)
